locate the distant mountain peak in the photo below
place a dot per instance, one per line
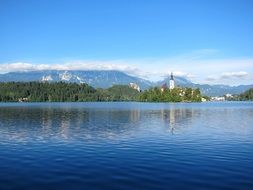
(47, 78)
(65, 76)
(95, 78)
(108, 78)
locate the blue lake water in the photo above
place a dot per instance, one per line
(126, 146)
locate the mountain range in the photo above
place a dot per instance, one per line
(105, 79)
(210, 90)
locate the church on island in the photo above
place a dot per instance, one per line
(171, 92)
(172, 84)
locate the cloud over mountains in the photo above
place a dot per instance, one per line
(240, 74)
(199, 67)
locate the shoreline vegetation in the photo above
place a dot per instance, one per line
(175, 95)
(245, 96)
(73, 92)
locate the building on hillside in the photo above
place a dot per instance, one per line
(134, 86)
(203, 99)
(164, 87)
(172, 82)
(228, 96)
(23, 100)
(218, 98)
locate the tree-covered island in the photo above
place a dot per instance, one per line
(171, 95)
(73, 92)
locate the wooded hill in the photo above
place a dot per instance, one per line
(63, 92)
(73, 92)
(247, 95)
(174, 95)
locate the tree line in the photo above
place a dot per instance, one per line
(63, 92)
(174, 95)
(245, 96)
(73, 92)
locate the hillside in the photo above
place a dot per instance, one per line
(73, 92)
(94, 78)
(106, 79)
(63, 92)
(247, 95)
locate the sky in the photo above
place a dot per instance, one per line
(206, 41)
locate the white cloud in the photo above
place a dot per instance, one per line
(75, 65)
(228, 77)
(198, 66)
(240, 74)
(211, 78)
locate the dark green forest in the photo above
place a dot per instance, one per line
(247, 95)
(63, 92)
(73, 92)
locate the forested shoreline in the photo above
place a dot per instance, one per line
(73, 92)
(63, 92)
(245, 96)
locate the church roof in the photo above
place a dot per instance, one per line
(171, 76)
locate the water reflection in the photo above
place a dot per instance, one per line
(115, 146)
(21, 123)
(174, 118)
(135, 115)
(81, 123)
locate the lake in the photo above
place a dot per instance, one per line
(126, 146)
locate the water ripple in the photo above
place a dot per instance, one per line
(126, 146)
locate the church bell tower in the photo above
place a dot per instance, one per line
(172, 82)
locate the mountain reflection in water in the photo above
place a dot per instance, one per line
(126, 145)
(65, 123)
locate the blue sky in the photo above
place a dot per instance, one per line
(206, 41)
